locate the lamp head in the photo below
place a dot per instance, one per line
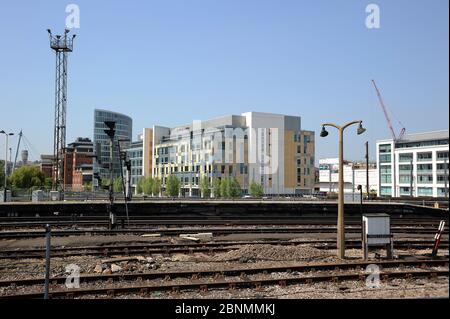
(324, 132)
(360, 129)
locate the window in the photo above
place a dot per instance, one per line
(385, 191)
(385, 158)
(442, 155)
(385, 174)
(406, 157)
(441, 192)
(404, 168)
(441, 179)
(385, 148)
(421, 144)
(386, 179)
(306, 139)
(421, 157)
(425, 179)
(442, 167)
(404, 179)
(424, 168)
(425, 191)
(385, 169)
(405, 191)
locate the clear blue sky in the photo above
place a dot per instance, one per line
(169, 62)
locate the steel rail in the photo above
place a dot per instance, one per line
(204, 286)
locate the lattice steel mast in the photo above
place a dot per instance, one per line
(62, 45)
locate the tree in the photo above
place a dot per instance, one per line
(256, 190)
(234, 188)
(205, 187)
(48, 182)
(105, 183)
(172, 186)
(27, 177)
(140, 185)
(117, 184)
(156, 187)
(224, 187)
(147, 186)
(216, 187)
(87, 186)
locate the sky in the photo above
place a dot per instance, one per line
(173, 61)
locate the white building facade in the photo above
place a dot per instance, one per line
(416, 165)
(354, 174)
(269, 149)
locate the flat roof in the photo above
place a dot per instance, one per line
(423, 136)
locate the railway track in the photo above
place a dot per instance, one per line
(205, 280)
(189, 248)
(216, 231)
(10, 222)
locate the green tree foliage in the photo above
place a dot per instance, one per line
(230, 188)
(87, 187)
(140, 185)
(117, 185)
(224, 187)
(256, 190)
(172, 186)
(234, 188)
(156, 187)
(27, 177)
(148, 186)
(216, 187)
(105, 183)
(48, 183)
(205, 187)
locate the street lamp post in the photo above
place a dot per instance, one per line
(6, 161)
(340, 221)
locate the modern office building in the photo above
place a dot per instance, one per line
(123, 131)
(135, 155)
(355, 174)
(270, 149)
(416, 165)
(140, 155)
(78, 164)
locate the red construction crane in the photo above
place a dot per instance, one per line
(388, 120)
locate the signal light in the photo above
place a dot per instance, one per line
(111, 128)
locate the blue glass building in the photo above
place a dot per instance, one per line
(124, 126)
